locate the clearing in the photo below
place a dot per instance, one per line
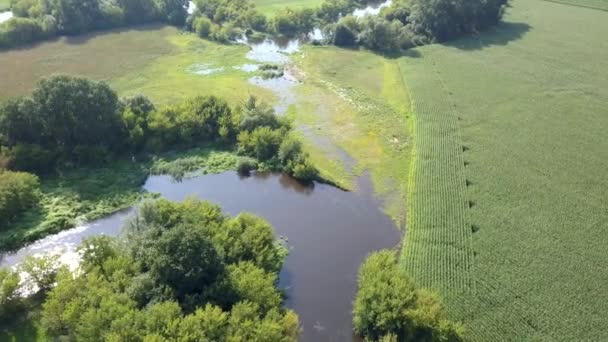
(270, 7)
(507, 209)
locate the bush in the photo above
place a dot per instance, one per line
(19, 31)
(30, 158)
(202, 26)
(388, 303)
(19, 191)
(246, 165)
(10, 301)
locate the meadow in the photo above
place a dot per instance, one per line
(5, 5)
(507, 205)
(357, 100)
(270, 7)
(154, 60)
(596, 4)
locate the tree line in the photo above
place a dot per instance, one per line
(402, 25)
(71, 122)
(183, 272)
(408, 23)
(36, 20)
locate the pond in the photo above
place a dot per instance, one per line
(329, 232)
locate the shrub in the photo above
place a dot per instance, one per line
(19, 191)
(10, 301)
(202, 26)
(388, 303)
(30, 158)
(246, 165)
(19, 31)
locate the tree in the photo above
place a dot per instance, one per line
(77, 111)
(184, 259)
(249, 238)
(41, 270)
(10, 301)
(388, 303)
(19, 191)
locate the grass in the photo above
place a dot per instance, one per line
(595, 4)
(270, 7)
(171, 77)
(85, 194)
(75, 197)
(358, 101)
(203, 160)
(100, 55)
(158, 61)
(5, 5)
(507, 208)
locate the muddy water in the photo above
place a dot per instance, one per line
(329, 233)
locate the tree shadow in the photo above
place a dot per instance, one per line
(499, 35)
(83, 38)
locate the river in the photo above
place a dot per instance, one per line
(329, 232)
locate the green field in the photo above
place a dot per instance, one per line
(356, 99)
(4, 5)
(597, 4)
(269, 7)
(508, 215)
(153, 60)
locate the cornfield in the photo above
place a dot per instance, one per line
(508, 203)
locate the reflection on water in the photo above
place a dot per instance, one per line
(372, 9)
(329, 233)
(203, 69)
(247, 67)
(4, 16)
(65, 242)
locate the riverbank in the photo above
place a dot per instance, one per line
(76, 196)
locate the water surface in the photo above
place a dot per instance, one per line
(329, 233)
(4, 16)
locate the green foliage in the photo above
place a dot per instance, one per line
(389, 304)
(262, 143)
(167, 282)
(19, 191)
(10, 301)
(41, 271)
(405, 24)
(290, 22)
(245, 165)
(73, 117)
(196, 160)
(440, 20)
(76, 196)
(202, 26)
(40, 19)
(497, 217)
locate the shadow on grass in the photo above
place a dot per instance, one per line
(85, 37)
(499, 35)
